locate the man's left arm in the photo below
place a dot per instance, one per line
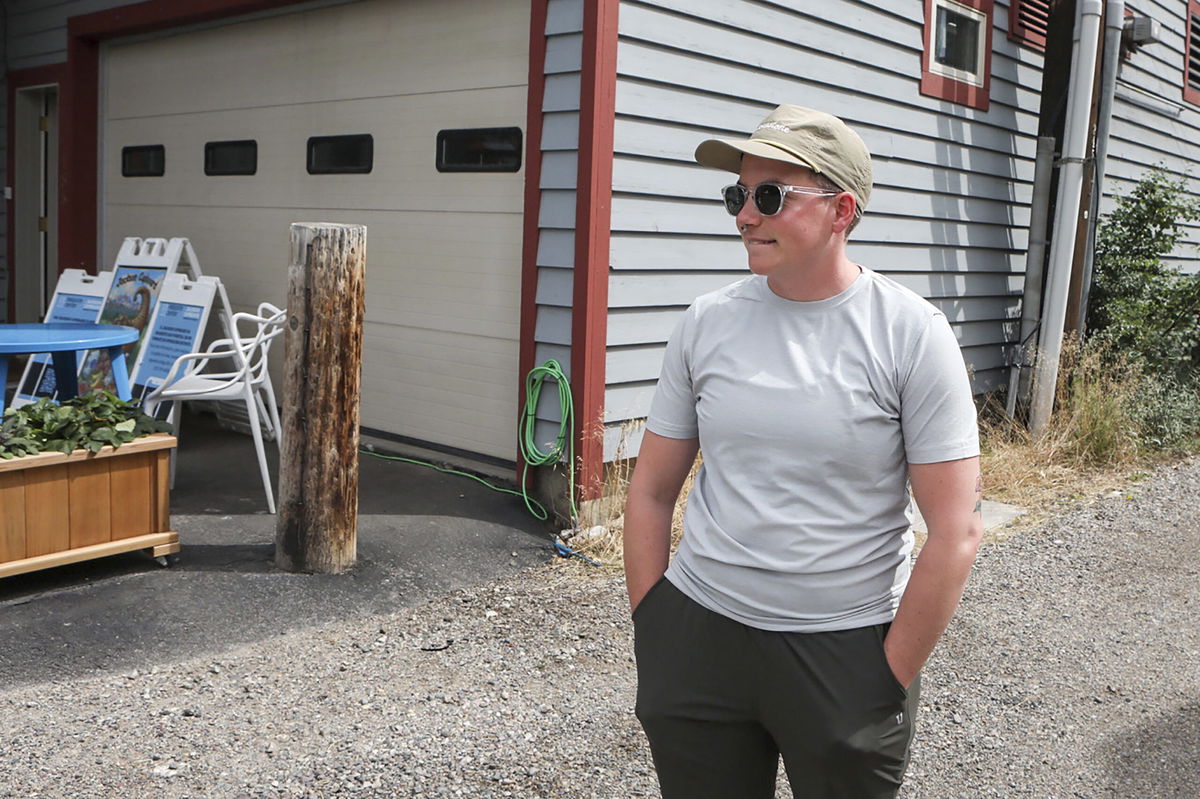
(950, 496)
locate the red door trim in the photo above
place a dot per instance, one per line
(593, 225)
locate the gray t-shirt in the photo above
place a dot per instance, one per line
(807, 413)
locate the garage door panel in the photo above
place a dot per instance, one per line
(405, 280)
(431, 414)
(375, 48)
(403, 176)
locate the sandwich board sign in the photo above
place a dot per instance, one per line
(78, 297)
(176, 329)
(140, 268)
(129, 295)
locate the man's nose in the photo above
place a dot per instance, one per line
(748, 214)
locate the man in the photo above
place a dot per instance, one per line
(790, 621)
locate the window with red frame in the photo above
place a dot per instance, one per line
(957, 62)
(1027, 22)
(1191, 66)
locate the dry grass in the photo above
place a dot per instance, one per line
(1089, 447)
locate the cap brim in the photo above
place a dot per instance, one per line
(727, 154)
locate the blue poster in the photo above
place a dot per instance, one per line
(66, 308)
(176, 331)
(75, 308)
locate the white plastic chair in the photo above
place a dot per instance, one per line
(246, 380)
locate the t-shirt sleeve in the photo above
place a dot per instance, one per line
(937, 408)
(673, 410)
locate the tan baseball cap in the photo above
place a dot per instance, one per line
(797, 135)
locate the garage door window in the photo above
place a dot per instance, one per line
(333, 155)
(143, 161)
(231, 157)
(479, 150)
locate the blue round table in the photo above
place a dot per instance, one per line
(64, 340)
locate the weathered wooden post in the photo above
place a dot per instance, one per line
(316, 527)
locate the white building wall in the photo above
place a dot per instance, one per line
(950, 210)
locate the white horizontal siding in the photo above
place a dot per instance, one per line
(949, 214)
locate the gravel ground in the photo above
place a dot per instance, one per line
(1072, 670)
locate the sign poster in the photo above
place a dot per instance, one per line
(130, 302)
(66, 308)
(177, 328)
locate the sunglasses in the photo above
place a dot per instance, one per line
(768, 197)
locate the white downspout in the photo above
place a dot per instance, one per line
(1070, 190)
(1114, 25)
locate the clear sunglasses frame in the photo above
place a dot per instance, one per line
(747, 192)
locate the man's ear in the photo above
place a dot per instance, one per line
(844, 207)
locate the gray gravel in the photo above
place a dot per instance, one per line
(1072, 670)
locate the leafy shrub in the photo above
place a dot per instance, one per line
(86, 422)
(1168, 414)
(1143, 307)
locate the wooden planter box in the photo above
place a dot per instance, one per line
(57, 509)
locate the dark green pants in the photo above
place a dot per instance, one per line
(720, 702)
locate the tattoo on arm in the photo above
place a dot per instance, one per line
(979, 494)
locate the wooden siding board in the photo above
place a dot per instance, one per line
(673, 252)
(564, 16)
(638, 326)
(685, 114)
(564, 53)
(560, 130)
(557, 209)
(765, 40)
(560, 170)
(704, 74)
(622, 440)
(555, 287)
(662, 214)
(644, 175)
(561, 93)
(628, 401)
(556, 248)
(554, 325)
(770, 17)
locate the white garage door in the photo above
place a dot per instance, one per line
(443, 248)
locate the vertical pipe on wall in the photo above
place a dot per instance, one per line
(1114, 25)
(1035, 269)
(1070, 190)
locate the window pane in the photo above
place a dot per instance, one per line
(957, 40)
(231, 157)
(329, 155)
(479, 150)
(143, 161)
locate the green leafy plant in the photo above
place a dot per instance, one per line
(88, 422)
(1139, 305)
